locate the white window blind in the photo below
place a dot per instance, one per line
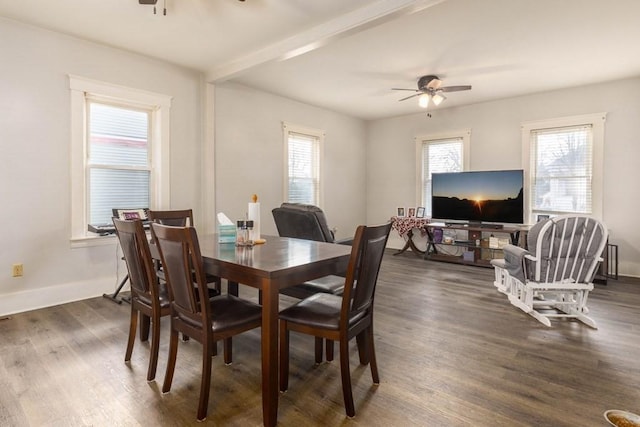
(118, 160)
(303, 168)
(562, 170)
(444, 155)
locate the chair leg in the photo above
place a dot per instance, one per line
(171, 362)
(346, 377)
(228, 350)
(155, 346)
(284, 356)
(133, 325)
(205, 382)
(363, 347)
(372, 356)
(318, 348)
(145, 321)
(329, 350)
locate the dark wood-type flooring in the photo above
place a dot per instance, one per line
(451, 352)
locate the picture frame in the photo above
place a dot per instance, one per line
(420, 212)
(411, 212)
(400, 212)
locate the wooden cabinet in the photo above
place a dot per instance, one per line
(469, 244)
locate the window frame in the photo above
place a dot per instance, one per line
(421, 140)
(597, 122)
(287, 129)
(159, 106)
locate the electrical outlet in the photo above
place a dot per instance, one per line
(17, 270)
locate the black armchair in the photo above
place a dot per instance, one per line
(310, 223)
(304, 222)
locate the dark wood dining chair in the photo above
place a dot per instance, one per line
(182, 218)
(149, 299)
(204, 320)
(340, 318)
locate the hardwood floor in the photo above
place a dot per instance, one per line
(451, 352)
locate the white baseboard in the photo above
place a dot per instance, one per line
(33, 299)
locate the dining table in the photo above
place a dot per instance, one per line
(277, 263)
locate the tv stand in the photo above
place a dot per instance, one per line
(473, 244)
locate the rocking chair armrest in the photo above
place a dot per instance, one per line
(514, 257)
(515, 251)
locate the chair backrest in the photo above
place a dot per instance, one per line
(135, 248)
(367, 251)
(180, 256)
(567, 248)
(303, 222)
(177, 218)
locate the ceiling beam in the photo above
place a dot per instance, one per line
(350, 23)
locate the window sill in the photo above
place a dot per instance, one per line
(90, 241)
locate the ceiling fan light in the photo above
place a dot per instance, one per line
(438, 98)
(423, 100)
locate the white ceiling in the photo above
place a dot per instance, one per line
(347, 55)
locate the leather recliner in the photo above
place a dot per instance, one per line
(308, 222)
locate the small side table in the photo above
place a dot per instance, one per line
(405, 225)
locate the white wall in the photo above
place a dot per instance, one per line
(496, 144)
(250, 157)
(35, 172)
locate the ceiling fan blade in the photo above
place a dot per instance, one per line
(411, 96)
(455, 88)
(399, 88)
(147, 1)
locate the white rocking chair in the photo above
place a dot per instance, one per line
(553, 278)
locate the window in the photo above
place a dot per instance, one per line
(120, 152)
(439, 153)
(563, 158)
(118, 160)
(302, 165)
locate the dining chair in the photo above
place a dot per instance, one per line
(341, 318)
(204, 320)
(181, 218)
(149, 298)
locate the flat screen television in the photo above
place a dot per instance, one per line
(478, 197)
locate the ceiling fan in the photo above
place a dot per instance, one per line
(430, 89)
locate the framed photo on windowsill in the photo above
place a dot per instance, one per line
(420, 212)
(400, 212)
(411, 212)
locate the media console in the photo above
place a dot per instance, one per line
(470, 244)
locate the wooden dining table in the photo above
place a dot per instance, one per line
(269, 267)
